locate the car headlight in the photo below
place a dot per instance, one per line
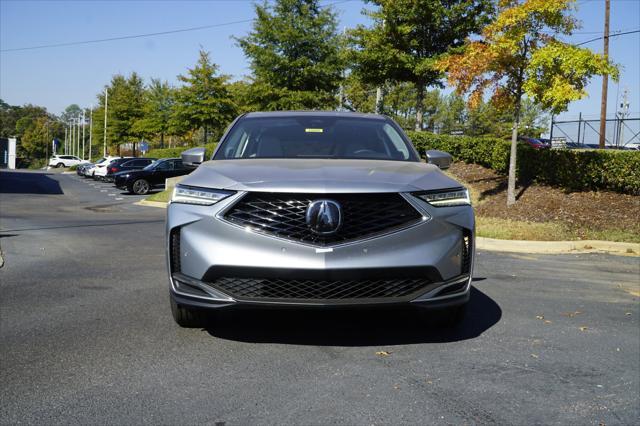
(200, 196)
(447, 198)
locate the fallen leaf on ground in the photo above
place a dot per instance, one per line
(627, 313)
(383, 353)
(534, 356)
(584, 328)
(571, 314)
(547, 322)
(540, 317)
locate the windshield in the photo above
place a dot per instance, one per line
(318, 136)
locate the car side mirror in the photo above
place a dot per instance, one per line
(193, 157)
(439, 158)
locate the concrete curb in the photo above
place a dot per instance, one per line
(556, 247)
(158, 204)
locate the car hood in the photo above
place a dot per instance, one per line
(319, 176)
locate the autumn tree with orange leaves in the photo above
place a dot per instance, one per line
(519, 54)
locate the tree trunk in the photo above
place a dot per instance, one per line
(134, 149)
(161, 140)
(419, 106)
(205, 135)
(511, 185)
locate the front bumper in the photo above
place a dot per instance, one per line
(210, 249)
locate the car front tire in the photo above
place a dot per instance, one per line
(185, 317)
(140, 187)
(59, 165)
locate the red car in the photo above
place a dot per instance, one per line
(535, 143)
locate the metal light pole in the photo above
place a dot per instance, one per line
(90, 130)
(106, 99)
(79, 118)
(83, 128)
(65, 141)
(72, 147)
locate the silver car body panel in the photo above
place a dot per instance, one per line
(207, 240)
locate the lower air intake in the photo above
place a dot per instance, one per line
(297, 289)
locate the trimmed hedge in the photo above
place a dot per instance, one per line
(175, 152)
(577, 170)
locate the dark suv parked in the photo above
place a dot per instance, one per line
(126, 164)
(142, 181)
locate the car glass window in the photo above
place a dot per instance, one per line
(401, 149)
(177, 164)
(310, 136)
(164, 165)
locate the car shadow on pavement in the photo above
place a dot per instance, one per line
(357, 327)
(28, 183)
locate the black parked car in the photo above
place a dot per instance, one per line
(126, 164)
(142, 181)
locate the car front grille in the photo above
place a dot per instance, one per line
(329, 290)
(283, 215)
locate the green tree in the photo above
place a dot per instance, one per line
(520, 53)
(72, 112)
(204, 101)
(126, 100)
(159, 103)
(406, 38)
(295, 55)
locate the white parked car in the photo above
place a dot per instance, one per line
(99, 169)
(65, 161)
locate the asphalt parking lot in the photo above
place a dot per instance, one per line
(86, 335)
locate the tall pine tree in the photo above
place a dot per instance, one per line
(204, 100)
(295, 55)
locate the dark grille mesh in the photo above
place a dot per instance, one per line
(174, 249)
(283, 215)
(274, 288)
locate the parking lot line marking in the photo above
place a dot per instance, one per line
(111, 195)
(118, 198)
(103, 190)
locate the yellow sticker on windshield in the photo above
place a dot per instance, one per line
(314, 130)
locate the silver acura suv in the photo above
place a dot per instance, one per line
(318, 209)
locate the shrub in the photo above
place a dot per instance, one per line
(573, 169)
(73, 168)
(175, 152)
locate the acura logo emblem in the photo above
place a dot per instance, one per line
(324, 217)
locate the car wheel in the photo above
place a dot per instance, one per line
(185, 317)
(59, 165)
(140, 187)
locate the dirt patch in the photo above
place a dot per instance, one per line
(582, 212)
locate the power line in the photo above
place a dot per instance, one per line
(134, 36)
(610, 35)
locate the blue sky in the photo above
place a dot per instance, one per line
(57, 77)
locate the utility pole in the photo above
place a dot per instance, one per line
(605, 77)
(106, 98)
(83, 127)
(65, 140)
(90, 130)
